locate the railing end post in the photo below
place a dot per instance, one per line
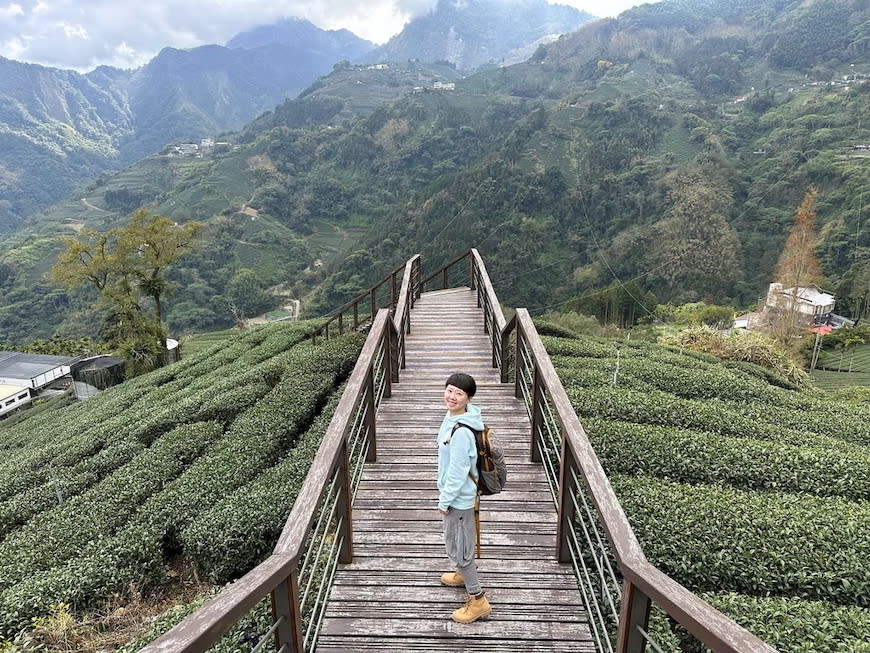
(633, 612)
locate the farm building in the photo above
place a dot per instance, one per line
(23, 375)
(811, 304)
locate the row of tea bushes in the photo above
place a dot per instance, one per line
(717, 538)
(135, 552)
(128, 516)
(19, 508)
(241, 529)
(703, 457)
(664, 409)
(755, 493)
(144, 410)
(255, 441)
(56, 535)
(787, 623)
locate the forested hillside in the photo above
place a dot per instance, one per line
(60, 129)
(198, 463)
(656, 157)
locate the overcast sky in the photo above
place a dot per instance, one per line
(82, 34)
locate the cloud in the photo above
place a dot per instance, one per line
(82, 34)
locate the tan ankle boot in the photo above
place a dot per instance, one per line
(453, 579)
(476, 607)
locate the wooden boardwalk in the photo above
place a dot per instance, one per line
(390, 597)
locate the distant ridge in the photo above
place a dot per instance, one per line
(474, 34)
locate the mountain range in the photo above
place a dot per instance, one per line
(656, 157)
(60, 129)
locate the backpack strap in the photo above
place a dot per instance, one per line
(473, 480)
(474, 432)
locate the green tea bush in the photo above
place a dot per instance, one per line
(241, 529)
(763, 373)
(58, 534)
(702, 457)
(759, 543)
(256, 439)
(120, 516)
(71, 481)
(105, 566)
(789, 624)
(664, 409)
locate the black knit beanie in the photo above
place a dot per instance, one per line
(464, 382)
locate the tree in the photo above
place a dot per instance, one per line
(798, 266)
(148, 246)
(246, 296)
(695, 246)
(125, 265)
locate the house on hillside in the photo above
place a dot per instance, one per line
(23, 376)
(812, 306)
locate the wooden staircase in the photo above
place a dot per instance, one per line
(390, 597)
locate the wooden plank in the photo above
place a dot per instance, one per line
(445, 628)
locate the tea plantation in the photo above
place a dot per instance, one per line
(754, 495)
(202, 458)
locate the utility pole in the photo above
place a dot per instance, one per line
(816, 347)
(616, 369)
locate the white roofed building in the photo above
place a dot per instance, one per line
(811, 305)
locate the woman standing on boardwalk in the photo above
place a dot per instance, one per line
(457, 471)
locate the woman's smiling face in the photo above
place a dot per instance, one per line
(455, 399)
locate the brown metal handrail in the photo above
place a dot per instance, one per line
(412, 288)
(560, 443)
(371, 304)
(318, 534)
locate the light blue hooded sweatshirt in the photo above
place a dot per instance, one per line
(457, 456)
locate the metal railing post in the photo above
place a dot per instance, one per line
(373, 302)
(496, 344)
(391, 358)
(633, 612)
(355, 316)
(286, 613)
(518, 364)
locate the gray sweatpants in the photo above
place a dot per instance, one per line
(460, 538)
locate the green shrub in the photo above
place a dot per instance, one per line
(762, 373)
(241, 529)
(71, 481)
(789, 624)
(58, 534)
(664, 409)
(105, 566)
(703, 457)
(255, 440)
(759, 543)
